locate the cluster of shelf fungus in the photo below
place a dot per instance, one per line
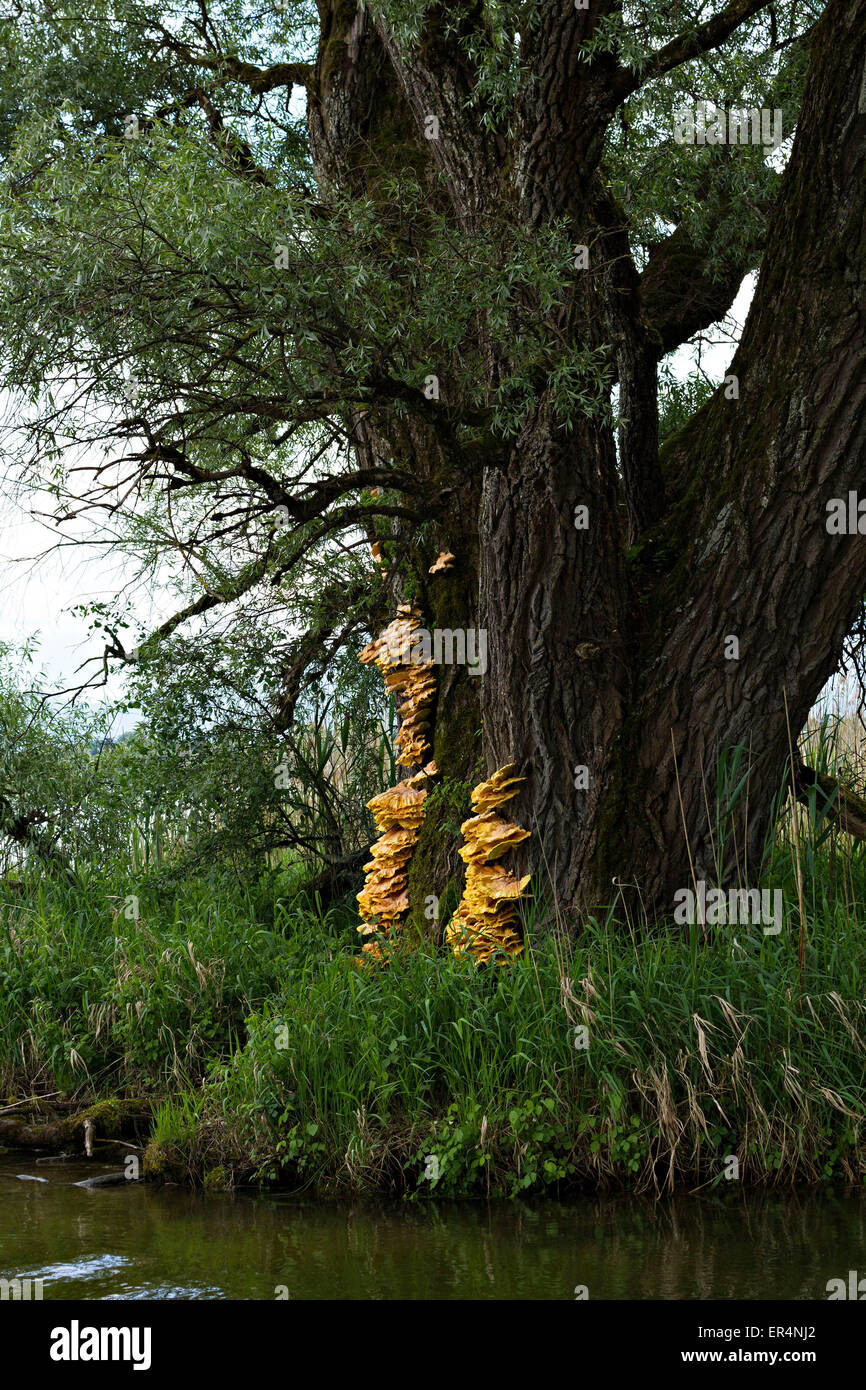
(486, 921)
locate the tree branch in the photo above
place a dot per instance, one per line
(688, 45)
(678, 295)
(836, 802)
(258, 80)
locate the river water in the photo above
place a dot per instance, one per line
(140, 1241)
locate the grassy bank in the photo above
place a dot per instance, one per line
(269, 1056)
(695, 1052)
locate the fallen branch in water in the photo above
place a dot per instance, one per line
(112, 1119)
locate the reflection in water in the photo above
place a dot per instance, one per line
(146, 1242)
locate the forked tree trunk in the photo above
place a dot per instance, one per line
(622, 662)
(610, 648)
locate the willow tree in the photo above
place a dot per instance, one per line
(321, 277)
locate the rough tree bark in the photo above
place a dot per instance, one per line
(608, 646)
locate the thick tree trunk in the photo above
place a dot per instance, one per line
(746, 548)
(363, 116)
(558, 687)
(626, 667)
(613, 679)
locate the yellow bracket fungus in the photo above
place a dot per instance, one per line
(486, 920)
(410, 681)
(442, 563)
(398, 812)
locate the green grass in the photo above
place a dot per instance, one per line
(695, 1051)
(92, 999)
(276, 1058)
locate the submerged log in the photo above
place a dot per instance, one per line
(107, 1180)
